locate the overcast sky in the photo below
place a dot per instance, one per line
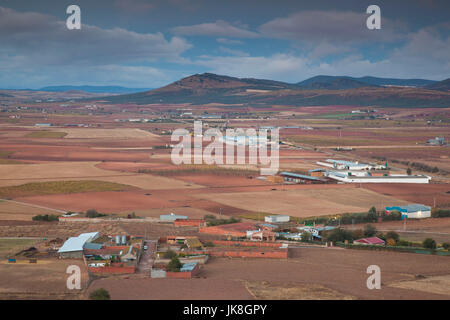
(147, 44)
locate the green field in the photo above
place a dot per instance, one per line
(46, 134)
(9, 247)
(60, 187)
(203, 169)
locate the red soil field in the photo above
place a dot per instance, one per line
(416, 193)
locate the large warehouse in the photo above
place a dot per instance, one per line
(412, 211)
(351, 178)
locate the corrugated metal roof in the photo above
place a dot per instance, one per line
(409, 208)
(301, 176)
(77, 243)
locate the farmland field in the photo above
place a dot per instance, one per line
(306, 202)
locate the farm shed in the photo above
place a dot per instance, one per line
(300, 178)
(73, 247)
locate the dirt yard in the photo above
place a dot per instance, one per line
(40, 281)
(311, 273)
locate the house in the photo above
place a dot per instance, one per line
(73, 247)
(278, 218)
(412, 211)
(370, 241)
(130, 255)
(263, 235)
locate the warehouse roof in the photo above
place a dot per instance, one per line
(301, 176)
(409, 208)
(77, 243)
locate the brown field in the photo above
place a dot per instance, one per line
(20, 174)
(306, 202)
(312, 273)
(17, 211)
(117, 133)
(415, 193)
(40, 281)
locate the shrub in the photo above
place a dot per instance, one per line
(446, 245)
(440, 213)
(92, 213)
(429, 243)
(174, 265)
(209, 244)
(392, 216)
(45, 217)
(100, 294)
(391, 242)
(170, 254)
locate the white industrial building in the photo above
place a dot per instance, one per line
(352, 178)
(348, 177)
(349, 165)
(279, 218)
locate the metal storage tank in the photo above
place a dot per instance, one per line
(124, 239)
(117, 240)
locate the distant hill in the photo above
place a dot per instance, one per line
(344, 82)
(94, 89)
(333, 83)
(443, 85)
(200, 89)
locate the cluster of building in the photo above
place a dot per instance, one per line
(355, 172)
(104, 254)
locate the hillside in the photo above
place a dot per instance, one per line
(211, 88)
(344, 82)
(443, 85)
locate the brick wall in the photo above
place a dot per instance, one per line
(218, 230)
(111, 270)
(190, 222)
(247, 243)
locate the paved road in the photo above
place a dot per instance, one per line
(146, 261)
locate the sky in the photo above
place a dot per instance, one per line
(149, 44)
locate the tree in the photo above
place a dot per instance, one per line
(91, 213)
(174, 265)
(370, 230)
(429, 243)
(446, 245)
(306, 236)
(372, 214)
(408, 171)
(392, 235)
(339, 235)
(170, 254)
(100, 294)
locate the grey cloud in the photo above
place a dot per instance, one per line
(43, 39)
(333, 26)
(219, 28)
